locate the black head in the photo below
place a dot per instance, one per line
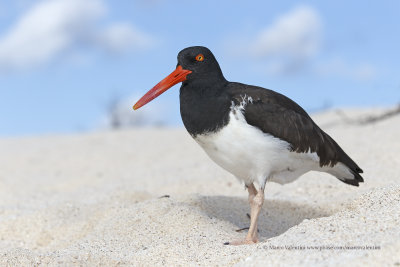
(196, 64)
(201, 62)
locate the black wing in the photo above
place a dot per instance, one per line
(281, 117)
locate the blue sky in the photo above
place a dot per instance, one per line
(62, 61)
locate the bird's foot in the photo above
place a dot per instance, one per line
(239, 242)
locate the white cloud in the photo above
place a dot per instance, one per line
(45, 31)
(293, 43)
(296, 34)
(290, 41)
(52, 27)
(121, 37)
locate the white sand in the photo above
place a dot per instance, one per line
(93, 199)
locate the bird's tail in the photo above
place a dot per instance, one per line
(346, 174)
(345, 169)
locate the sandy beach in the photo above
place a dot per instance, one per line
(151, 197)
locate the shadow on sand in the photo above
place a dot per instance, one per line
(276, 217)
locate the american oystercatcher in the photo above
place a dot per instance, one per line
(256, 134)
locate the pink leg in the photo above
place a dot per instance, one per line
(256, 200)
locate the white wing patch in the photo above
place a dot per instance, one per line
(242, 105)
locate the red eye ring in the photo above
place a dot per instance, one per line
(200, 57)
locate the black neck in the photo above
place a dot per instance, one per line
(204, 104)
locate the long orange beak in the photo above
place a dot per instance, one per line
(177, 76)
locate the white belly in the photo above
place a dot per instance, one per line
(253, 156)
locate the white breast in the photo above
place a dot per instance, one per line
(253, 156)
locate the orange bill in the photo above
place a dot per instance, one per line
(177, 76)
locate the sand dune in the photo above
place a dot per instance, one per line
(96, 199)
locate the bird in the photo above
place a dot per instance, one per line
(256, 134)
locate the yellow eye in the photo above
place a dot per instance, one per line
(200, 57)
